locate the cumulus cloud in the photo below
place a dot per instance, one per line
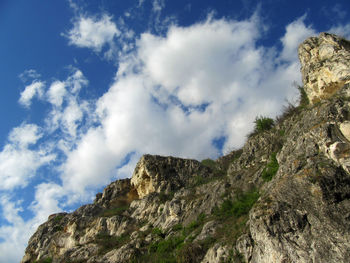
(296, 32)
(179, 93)
(18, 163)
(31, 91)
(67, 109)
(25, 135)
(15, 234)
(56, 93)
(92, 32)
(46, 201)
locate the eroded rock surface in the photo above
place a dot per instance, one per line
(325, 65)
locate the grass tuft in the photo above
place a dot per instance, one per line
(271, 168)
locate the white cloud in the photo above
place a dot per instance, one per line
(56, 93)
(29, 74)
(198, 63)
(72, 116)
(341, 30)
(30, 91)
(190, 87)
(18, 164)
(76, 81)
(25, 135)
(94, 33)
(296, 33)
(15, 235)
(46, 200)
(67, 116)
(97, 159)
(158, 5)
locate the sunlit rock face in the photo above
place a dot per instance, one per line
(155, 173)
(325, 65)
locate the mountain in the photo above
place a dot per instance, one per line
(283, 197)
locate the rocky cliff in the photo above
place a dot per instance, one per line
(283, 197)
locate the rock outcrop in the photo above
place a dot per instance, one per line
(283, 197)
(325, 65)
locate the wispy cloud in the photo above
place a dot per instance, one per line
(19, 163)
(158, 5)
(36, 89)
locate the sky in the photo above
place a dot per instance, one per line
(87, 87)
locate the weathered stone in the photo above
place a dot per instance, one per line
(156, 174)
(325, 65)
(216, 254)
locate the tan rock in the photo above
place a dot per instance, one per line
(345, 129)
(325, 65)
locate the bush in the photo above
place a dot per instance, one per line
(303, 99)
(157, 231)
(214, 167)
(177, 227)
(263, 124)
(209, 163)
(271, 168)
(166, 246)
(107, 242)
(189, 253)
(241, 206)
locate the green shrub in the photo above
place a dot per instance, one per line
(189, 252)
(303, 99)
(107, 242)
(58, 219)
(157, 231)
(263, 124)
(271, 168)
(213, 165)
(209, 163)
(193, 225)
(241, 206)
(166, 246)
(177, 227)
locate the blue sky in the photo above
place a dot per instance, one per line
(87, 87)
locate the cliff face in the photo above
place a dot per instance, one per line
(284, 197)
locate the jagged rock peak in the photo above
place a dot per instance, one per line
(325, 65)
(154, 173)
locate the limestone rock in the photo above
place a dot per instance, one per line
(156, 173)
(325, 65)
(216, 254)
